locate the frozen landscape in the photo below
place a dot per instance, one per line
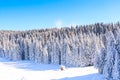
(27, 70)
(59, 40)
(38, 54)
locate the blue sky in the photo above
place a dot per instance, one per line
(38, 14)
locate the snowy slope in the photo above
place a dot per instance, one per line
(26, 70)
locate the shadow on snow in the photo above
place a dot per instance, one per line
(29, 65)
(95, 76)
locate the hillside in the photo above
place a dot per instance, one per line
(75, 46)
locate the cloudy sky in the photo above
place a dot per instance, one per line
(38, 14)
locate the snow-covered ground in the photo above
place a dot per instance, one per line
(27, 70)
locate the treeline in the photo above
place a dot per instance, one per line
(75, 46)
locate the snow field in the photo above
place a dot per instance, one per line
(27, 70)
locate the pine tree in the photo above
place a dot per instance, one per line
(110, 56)
(116, 67)
(102, 60)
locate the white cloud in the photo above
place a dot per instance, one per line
(58, 23)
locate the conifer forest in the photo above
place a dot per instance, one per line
(88, 45)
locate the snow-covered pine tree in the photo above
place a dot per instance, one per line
(39, 54)
(116, 67)
(63, 52)
(69, 56)
(45, 55)
(110, 56)
(102, 61)
(26, 49)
